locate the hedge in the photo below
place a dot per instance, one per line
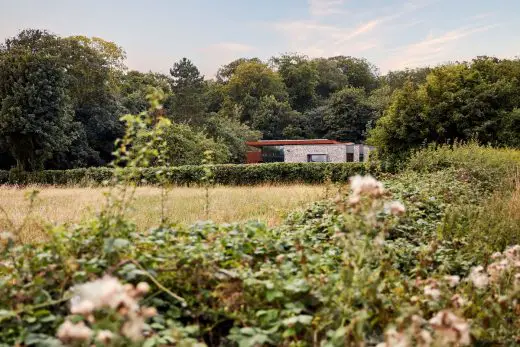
(228, 174)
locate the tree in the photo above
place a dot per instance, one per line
(249, 84)
(135, 86)
(90, 85)
(186, 146)
(330, 77)
(273, 117)
(347, 115)
(402, 124)
(187, 103)
(397, 79)
(463, 101)
(35, 110)
(360, 72)
(227, 71)
(300, 78)
(230, 132)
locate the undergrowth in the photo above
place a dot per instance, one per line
(424, 258)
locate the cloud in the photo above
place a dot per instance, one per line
(326, 7)
(316, 39)
(433, 49)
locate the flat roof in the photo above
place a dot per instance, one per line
(262, 143)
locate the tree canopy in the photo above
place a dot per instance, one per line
(61, 99)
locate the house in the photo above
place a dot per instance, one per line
(301, 151)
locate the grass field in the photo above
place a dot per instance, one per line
(269, 204)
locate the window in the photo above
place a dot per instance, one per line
(350, 157)
(273, 154)
(317, 158)
(361, 157)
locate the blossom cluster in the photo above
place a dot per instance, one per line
(505, 262)
(370, 187)
(444, 329)
(106, 293)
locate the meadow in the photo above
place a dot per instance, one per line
(68, 205)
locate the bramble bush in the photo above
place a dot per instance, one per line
(378, 264)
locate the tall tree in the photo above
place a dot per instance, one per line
(227, 71)
(348, 115)
(300, 78)
(360, 72)
(330, 77)
(187, 103)
(35, 111)
(249, 84)
(276, 119)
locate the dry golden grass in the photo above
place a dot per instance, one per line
(269, 204)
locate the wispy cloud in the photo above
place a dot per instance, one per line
(432, 49)
(315, 39)
(326, 7)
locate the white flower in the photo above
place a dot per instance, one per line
(68, 331)
(143, 288)
(104, 292)
(496, 255)
(133, 329)
(496, 269)
(425, 338)
(452, 280)
(512, 253)
(354, 200)
(393, 338)
(432, 291)
(366, 185)
(479, 278)
(451, 328)
(84, 307)
(458, 301)
(396, 208)
(105, 336)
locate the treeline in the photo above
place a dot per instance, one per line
(61, 100)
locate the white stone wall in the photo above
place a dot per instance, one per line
(298, 153)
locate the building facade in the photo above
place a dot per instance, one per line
(301, 151)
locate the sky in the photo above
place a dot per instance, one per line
(392, 34)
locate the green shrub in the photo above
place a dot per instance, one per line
(227, 174)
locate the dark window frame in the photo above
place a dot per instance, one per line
(309, 156)
(350, 157)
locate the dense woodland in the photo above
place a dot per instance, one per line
(62, 99)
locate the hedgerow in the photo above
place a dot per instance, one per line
(228, 174)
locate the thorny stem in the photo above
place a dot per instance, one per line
(158, 284)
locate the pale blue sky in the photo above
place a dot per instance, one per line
(393, 34)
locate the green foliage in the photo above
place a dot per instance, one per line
(362, 269)
(273, 117)
(35, 113)
(186, 146)
(187, 103)
(224, 174)
(348, 115)
(300, 77)
(250, 82)
(461, 101)
(233, 134)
